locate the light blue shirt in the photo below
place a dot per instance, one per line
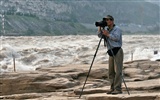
(115, 38)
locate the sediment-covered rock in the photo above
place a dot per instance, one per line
(65, 82)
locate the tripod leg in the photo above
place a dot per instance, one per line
(125, 85)
(91, 66)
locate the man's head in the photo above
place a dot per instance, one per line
(109, 17)
(109, 20)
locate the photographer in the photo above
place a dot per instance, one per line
(113, 41)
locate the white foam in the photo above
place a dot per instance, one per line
(155, 57)
(33, 52)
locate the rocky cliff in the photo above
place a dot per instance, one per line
(56, 17)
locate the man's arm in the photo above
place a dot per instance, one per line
(115, 36)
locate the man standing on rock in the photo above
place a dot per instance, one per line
(113, 35)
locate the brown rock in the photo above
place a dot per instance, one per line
(144, 85)
(99, 73)
(13, 83)
(58, 81)
(131, 72)
(140, 96)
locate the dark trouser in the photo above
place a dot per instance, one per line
(115, 70)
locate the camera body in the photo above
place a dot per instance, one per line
(102, 23)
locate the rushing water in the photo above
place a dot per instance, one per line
(33, 52)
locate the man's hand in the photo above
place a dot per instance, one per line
(106, 33)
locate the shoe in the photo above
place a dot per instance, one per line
(110, 92)
(116, 92)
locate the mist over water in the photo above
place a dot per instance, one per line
(46, 51)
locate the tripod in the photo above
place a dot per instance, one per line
(93, 61)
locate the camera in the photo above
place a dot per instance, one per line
(102, 23)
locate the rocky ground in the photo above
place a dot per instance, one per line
(65, 82)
